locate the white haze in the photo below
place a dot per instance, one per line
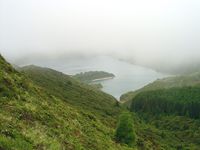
(146, 32)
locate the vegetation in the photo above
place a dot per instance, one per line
(33, 118)
(90, 76)
(183, 101)
(72, 91)
(166, 83)
(166, 113)
(41, 108)
(97, 86)
(163, 132)
(125, 132)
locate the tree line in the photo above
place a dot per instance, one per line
(183, 101)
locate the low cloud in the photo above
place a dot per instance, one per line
(160, 34)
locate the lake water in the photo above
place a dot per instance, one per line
(128, 77)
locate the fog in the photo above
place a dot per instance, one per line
(162, 34)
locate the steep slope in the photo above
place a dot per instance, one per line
(45, 117)
(170, 112)
(166, 83)
(72, 91)
(169, 118)
(167, 113)
(33, 118)
(152, 133)
(167, 132)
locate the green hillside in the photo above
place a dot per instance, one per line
(104, 107)
(169, 117)
(90, 76)
(166, 83)
(152, 133)
(34, 118)
(183, 101)
(170, 110)
(72, 91)
(167, 132)
(45, 109)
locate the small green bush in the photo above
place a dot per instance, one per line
(125, 131)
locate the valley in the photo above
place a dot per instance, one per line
(99, 75)
(127, 76)
(69, 114)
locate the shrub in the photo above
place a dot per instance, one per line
(125, 131)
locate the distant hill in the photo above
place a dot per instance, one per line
(186, 67)
(93, 76)
(166, 83)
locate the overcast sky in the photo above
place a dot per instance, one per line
(145, 31)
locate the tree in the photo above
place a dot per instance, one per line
(117, 104)
(125, 131)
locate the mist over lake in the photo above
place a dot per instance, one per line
(128, 77)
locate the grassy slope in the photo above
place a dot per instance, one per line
(166, 83)
(41, 117)
(149, 136)
(167, 132)
(72, 91)
(32, 117)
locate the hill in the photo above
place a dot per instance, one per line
(169, 111)
(34, 118)
(72, 91)
(183, 101)
(166, 83)
(171, 116)
(91, 76)
(152, 133)
(44, 109)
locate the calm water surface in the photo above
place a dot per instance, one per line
(129, 77)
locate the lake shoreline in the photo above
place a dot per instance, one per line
(102, 79)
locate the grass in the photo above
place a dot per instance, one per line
(41, 109)
(35, 117)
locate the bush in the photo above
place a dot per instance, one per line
(125, 131)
